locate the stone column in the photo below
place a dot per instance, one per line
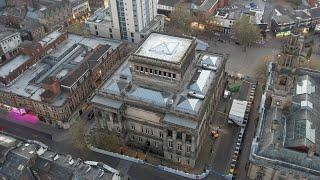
(174, 137)
(184, 147)
(165, 140)
(193, 144)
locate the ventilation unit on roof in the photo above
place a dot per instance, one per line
(169, 102)
(196, 95)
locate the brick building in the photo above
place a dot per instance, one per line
(162, 98)
(56, 75)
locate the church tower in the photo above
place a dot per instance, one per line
(287, 61)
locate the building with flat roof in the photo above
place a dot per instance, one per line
(51, 80)
(286, 143)
(10, 41)
(127, 20)
(23, 160)
(200, 7)
(286, 20)
(163, 97)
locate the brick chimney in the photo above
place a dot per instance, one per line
(52, 88)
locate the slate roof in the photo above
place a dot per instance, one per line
(169, 118)
(189, 105)
(150, 96)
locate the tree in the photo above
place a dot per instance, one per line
(77, 135)
(246, 33)
(260, 71)
(181, 18)
(309, 53)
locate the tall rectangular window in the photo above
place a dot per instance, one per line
(161, 134)
(170, 144)
(179, 146)
(188, 148)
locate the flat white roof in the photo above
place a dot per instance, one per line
(91, 42)
(164, 47)
(238, 108)
(50, 38)
(13, 64)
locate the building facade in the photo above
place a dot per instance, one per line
(162, 98)
(80, 8)
(9, 42)
(128, 20)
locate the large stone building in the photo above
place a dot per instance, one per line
(52, 78)
(127, 20)
(286, 144)
(162, 98)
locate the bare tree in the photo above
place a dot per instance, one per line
(260, 71)
(181, 18)
(77, 135)
(246, 33)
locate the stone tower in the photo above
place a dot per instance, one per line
(288, 60)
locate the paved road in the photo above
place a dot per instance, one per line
(248, 137)
(225, 148)
(134, 171)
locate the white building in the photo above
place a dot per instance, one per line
(129, 20)
(79, 8)
(9, 42)
(238, 111)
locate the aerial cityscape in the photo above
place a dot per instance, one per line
(160, 89)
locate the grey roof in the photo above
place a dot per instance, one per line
(202, 82)
(201, 45)
(304, 114)
(170, 3)
(293, 157)
(151, 96)
(180, 121)
(315, 12)
(106, 102)
(189, 105)
(113, 88)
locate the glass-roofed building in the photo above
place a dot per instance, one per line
(163, 97)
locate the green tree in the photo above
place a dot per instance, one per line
(246, 33)
(309, 53)
(181, 18)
